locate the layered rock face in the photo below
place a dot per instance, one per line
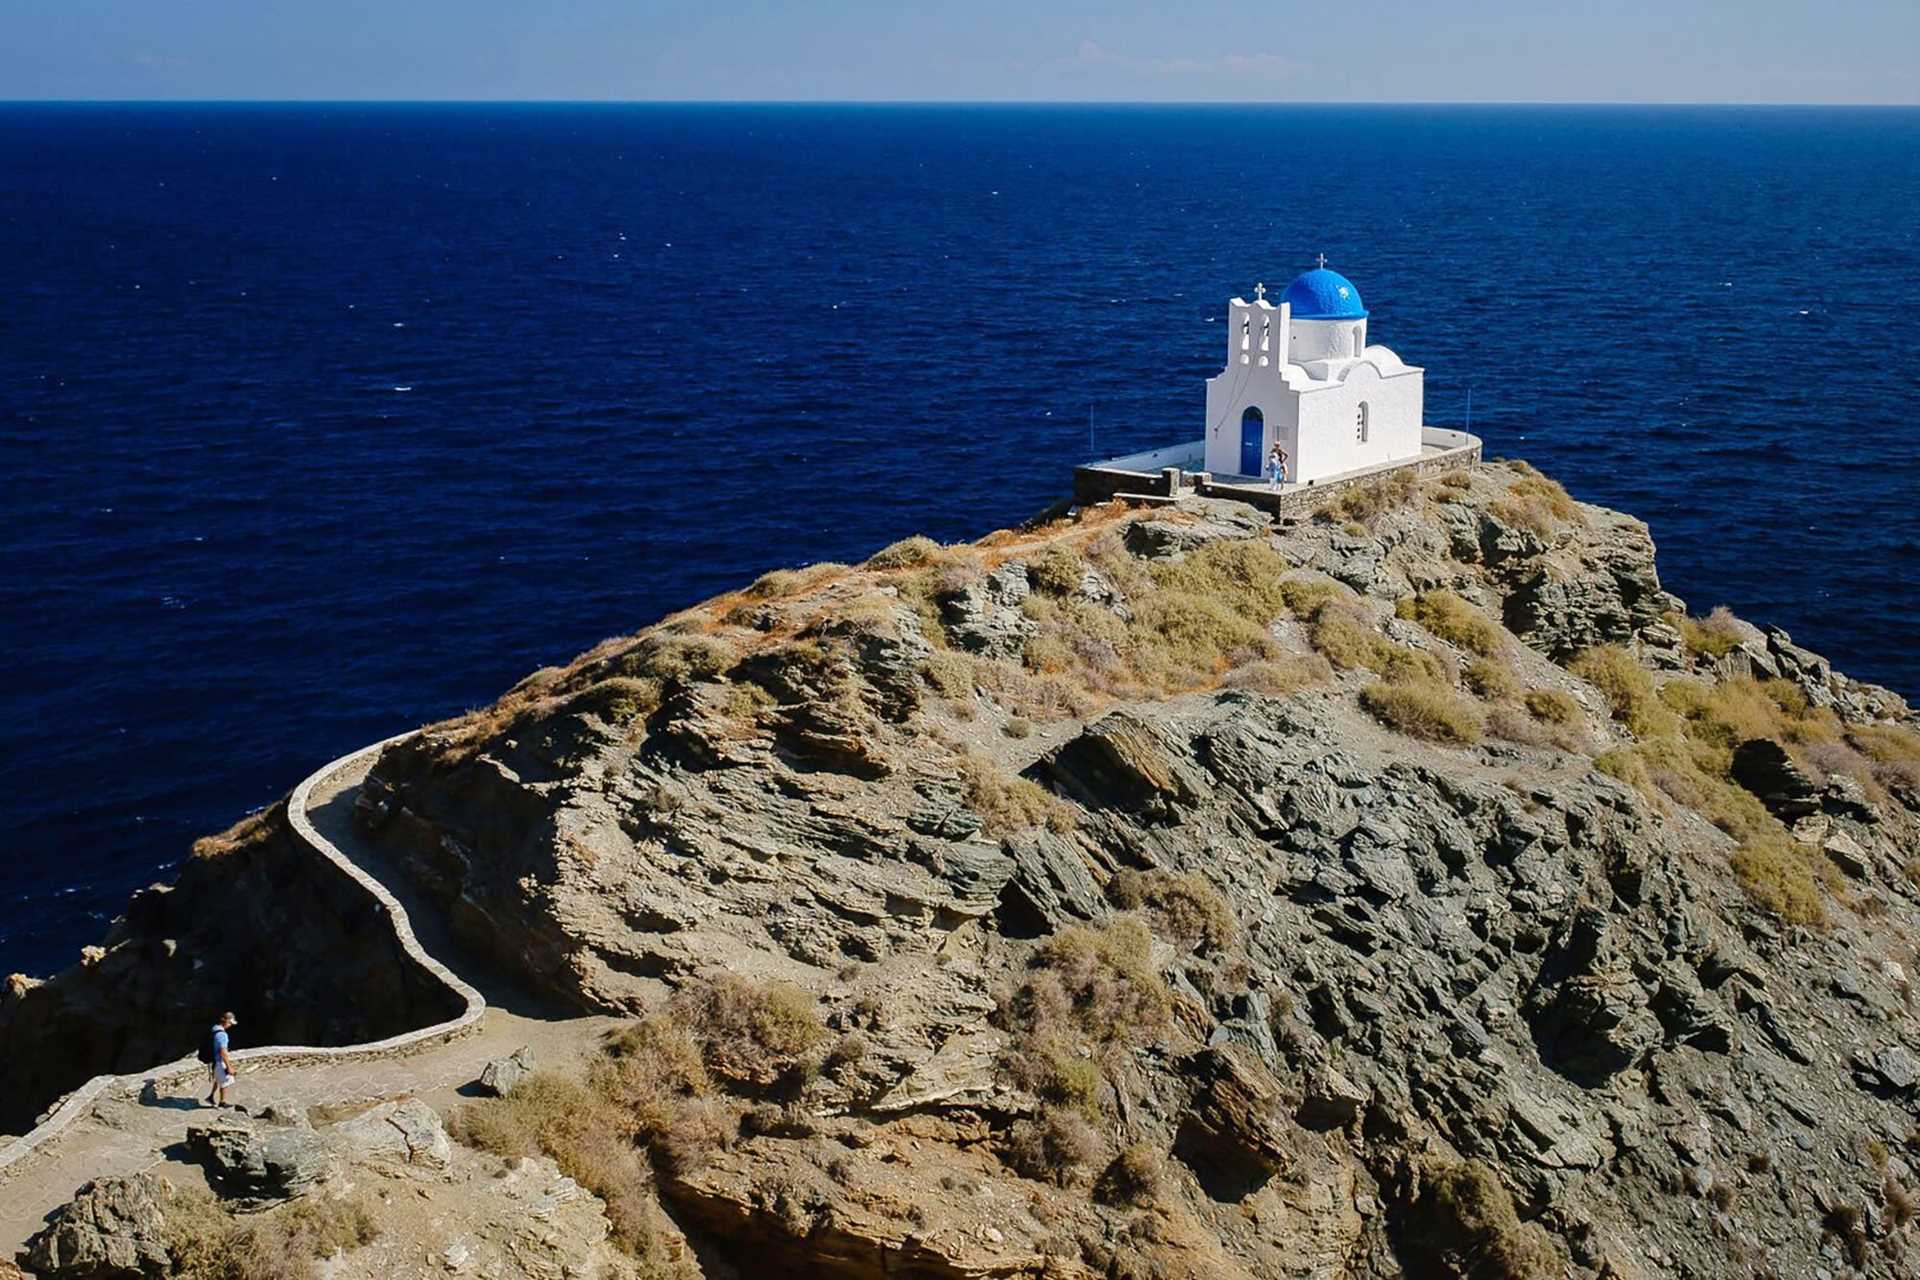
(255, 923)
(1408, 888)
(1662, 999)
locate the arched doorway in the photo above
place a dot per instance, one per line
(1253, 440)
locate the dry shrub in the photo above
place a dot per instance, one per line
(244, 832)
(1007, 803)
(1713, 636)
(1089, 994)
(908, 553)
(1188, 640)
(1280, 676)
(1535, 503)
(1368, 502)
(1730, 712)
(781, 583)
(592, 1139)
(1057, 570)
(1552, 706)
(1245, 574)
(1454, 620)
(1183, 905)
(1894, 751)
(1466, 1221)
(1492, 680)
(1848, 1227)
(1456, 480)
(1422, 710)
(1137, 1176)
(1627, 688)
(1782, 875)
(1344, 633)
(206, 1244)
(621, 700)
(1304, 594)
(751, 1032)
(950, 674)
(1057, 1146)
(196, 1230)
(1903, 1205)
(1534, 517)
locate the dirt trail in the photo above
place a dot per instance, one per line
(123, 1133)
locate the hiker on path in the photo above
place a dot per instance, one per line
(219, 1065)
(1276, 467)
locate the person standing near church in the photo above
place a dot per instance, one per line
(1276, 467)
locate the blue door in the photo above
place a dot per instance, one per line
(1253, 433)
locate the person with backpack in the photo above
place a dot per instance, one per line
(213, 1052)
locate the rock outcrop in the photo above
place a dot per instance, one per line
(1408, 888)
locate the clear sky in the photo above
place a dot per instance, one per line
(1069, 50)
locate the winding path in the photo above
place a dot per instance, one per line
(116, 1125)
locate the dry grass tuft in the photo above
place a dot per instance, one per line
(1552, 706)
(1183, 905)
(1089, 996)
(1280, 676)
(1713, 636)
(1367, 502)
(1492, 680)
(1057, 570)
(749, 1032)
(781, 583)
(247, 831)
(1627, 688)
(1007, 803)
(1466, 1222)
(1057, 1146)
(1422, 709)
(1452, 619)
(1137, 1176)
(288, 1244)
(908, 553)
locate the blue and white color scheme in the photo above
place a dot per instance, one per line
(1301, 374)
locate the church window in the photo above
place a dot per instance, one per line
(1360, 424)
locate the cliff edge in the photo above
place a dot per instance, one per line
(1411, 887)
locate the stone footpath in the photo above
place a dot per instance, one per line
(120, 1125)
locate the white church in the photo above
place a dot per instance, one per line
(1301, 374)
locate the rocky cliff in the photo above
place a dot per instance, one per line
(1408, 887)
(256, 923)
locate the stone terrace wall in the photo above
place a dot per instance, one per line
(1105, 481)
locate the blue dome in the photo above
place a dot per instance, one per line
(1321, 294)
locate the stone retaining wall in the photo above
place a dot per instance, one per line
(1104, 481)
(77, 1103)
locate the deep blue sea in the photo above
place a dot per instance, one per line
(320, 422)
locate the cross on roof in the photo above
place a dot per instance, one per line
(1323, 261)
(1260, 291)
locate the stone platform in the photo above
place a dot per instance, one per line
(1179, 469)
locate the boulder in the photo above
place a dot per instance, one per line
(1195, 523)
(502, 1076)
(114, 1229)
(256, 1168)
(1763, 767)
(404, 1134)
(1331, 1101)
(1234, 1134)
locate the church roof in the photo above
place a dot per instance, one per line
(1321, 294)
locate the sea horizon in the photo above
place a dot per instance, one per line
(339, 417)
